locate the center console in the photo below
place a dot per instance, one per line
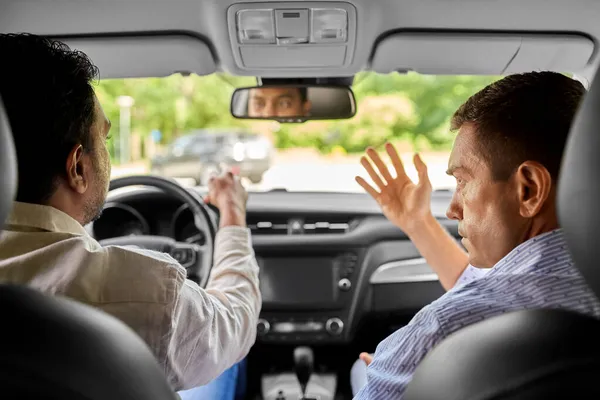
(306, 299)
(286, 387)
(302, 384)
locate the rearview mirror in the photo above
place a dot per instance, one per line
(293, 103)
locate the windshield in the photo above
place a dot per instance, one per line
(181, 127)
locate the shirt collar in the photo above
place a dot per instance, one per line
(26, 216)
(532, 250)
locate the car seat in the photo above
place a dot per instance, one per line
(55, 348)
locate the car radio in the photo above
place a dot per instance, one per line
(323, 282)
(305, 299)
(272, 329)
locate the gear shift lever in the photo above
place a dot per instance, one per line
(303, 365)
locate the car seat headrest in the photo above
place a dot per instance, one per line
(579, 188)
(8, 166)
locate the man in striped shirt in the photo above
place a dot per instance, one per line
(506, 159)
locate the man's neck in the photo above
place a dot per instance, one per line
(63, 203)
(541, 225)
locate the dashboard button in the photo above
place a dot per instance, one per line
(262, 327)
(334, 326)
(179, 255)
(344, 284)
(284, 327)
(186, 256)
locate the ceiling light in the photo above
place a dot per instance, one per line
(256, 26)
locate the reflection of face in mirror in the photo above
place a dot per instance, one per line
(280, 102)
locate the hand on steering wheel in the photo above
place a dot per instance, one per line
(227, 194)
(196, 259)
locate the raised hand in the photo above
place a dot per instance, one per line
(403, 202)
(227, 193)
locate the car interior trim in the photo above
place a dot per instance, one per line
(404, 271)
(164, 54)
(488, 53)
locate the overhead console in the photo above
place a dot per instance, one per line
(465, 53)
(292, 36)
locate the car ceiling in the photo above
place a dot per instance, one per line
(157, 38)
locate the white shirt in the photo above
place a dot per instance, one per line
(195, 333)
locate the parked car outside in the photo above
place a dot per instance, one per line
(200, 153)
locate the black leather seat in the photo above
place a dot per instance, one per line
(54, 348)
(541, 354)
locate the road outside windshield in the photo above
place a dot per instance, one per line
(181, 127)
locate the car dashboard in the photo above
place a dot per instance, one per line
(328, 261)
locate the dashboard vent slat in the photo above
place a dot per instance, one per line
(268, 225)
(300, 225)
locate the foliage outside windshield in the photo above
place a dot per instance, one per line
(181, 127)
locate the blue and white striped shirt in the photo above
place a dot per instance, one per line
(537, 274)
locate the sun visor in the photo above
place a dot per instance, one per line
(481, 54)
(145, 56)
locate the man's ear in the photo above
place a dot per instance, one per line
(534, 187)
(76, 170)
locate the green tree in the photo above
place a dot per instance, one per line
(397, 107)
(434, 100)
(173, 104)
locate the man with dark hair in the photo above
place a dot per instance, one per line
(278, 102)
(65, 116)
(506, 159)
(60, 134)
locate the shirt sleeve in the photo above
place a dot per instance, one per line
(470, 274)
(214, 328)
(397, 357)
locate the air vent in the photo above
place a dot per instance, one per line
(301, 225)
(323, 225)
(268, 225)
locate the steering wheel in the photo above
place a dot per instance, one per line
(196, 259)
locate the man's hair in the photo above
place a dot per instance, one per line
(47, 91)
(522, 117)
